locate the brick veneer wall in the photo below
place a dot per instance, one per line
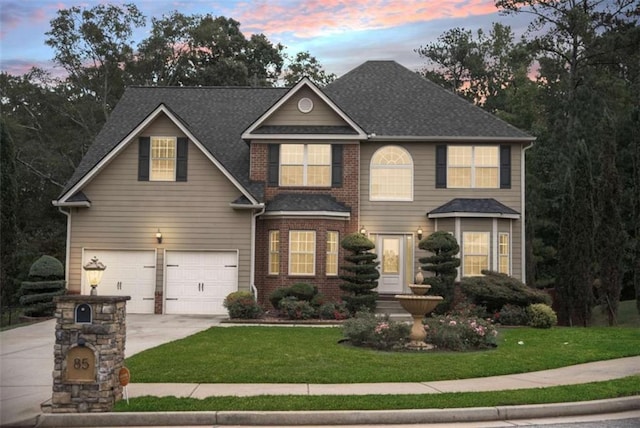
(348, 194)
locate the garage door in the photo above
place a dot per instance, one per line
(199, 281)
(128, 273)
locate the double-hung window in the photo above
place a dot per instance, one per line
(475, 253)
(163, 159)
(503, 253)
(274, 252)
(473, 167)
(305, 165)
(332, 253)
(302, 252)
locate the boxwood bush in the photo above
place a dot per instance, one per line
(541, 316)
(241, 305)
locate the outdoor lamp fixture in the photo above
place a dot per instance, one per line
(419, 232)
(363, 230)
(159, 236)
(94, 270)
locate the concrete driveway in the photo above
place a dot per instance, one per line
(26, 358)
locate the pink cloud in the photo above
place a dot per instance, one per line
(322, 17)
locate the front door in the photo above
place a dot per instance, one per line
(391, 257)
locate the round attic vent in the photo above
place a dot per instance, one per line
(305, 105)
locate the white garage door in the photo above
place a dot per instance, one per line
(128, 273)
(198, 281)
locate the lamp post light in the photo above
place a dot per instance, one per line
(94, 270)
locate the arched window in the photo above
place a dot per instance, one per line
(391, 175)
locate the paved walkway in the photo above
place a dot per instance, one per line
(27, 363)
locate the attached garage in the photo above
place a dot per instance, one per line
(197, 282)
(128, 273)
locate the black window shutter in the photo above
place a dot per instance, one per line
(441, 166)
(273, 166)
(505, 166)
(182, 155)
(336, 165)
(144, 144)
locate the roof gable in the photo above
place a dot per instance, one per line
(304, 111)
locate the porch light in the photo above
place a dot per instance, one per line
(159, 236)
(363, 230)
(419, 232)
(94, 270)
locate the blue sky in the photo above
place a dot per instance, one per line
(341, 34)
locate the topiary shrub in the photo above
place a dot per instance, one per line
(277, 295)
(494, 290)
(45, 282)
(513, 315)
(541, 316)
(442, 263)
(362, 273)
(241, 305)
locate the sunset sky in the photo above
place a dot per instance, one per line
(341, 34)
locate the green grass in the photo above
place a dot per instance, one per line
(313, 355)
(590, 391)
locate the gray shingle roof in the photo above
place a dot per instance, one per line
(478, 206)
(387, 99)
(305, 202)
(281, 129)
(382, 97)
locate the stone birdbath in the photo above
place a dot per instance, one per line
(418, 305)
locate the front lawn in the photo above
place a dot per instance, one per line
(263, 354)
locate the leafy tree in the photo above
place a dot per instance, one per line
(8, 225)
(442, 263)
(362, 273)
(306, 65)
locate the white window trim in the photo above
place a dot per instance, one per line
(473, 168)
(272, 233)
(373, 166)
(508, 255)
(315, 243)
(305, 166)
(151, 158)
(332, 253)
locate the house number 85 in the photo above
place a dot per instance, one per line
(80, 364)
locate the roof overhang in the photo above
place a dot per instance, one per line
(474, 215)
(161, 109)
(308, 214)
(452, 139)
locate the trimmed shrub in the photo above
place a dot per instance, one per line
(333, 311)
(442, 263)
(378, 332)
(512, 315)
(297, 309)
(277, 295)
(303, 291)
(541, 316)
(458, 332)
(45, 283)
(241, 305)
(361, 275)
(494, 290)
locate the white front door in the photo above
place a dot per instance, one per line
(391, 257)
(128, 273)
(199, 281)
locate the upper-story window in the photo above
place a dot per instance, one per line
(473, 167)
(305, 165)
(391, 175)
(162, 158)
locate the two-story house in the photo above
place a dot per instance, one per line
(188, 194)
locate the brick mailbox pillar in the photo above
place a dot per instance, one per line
(88, 353)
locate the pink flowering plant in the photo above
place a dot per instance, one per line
(461, 330)
(375, 331)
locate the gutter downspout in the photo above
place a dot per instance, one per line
(252, 274)
(67, 250)
(524, 217)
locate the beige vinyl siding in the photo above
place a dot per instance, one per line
(406, 216)
(193, 215)
(321, 115)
